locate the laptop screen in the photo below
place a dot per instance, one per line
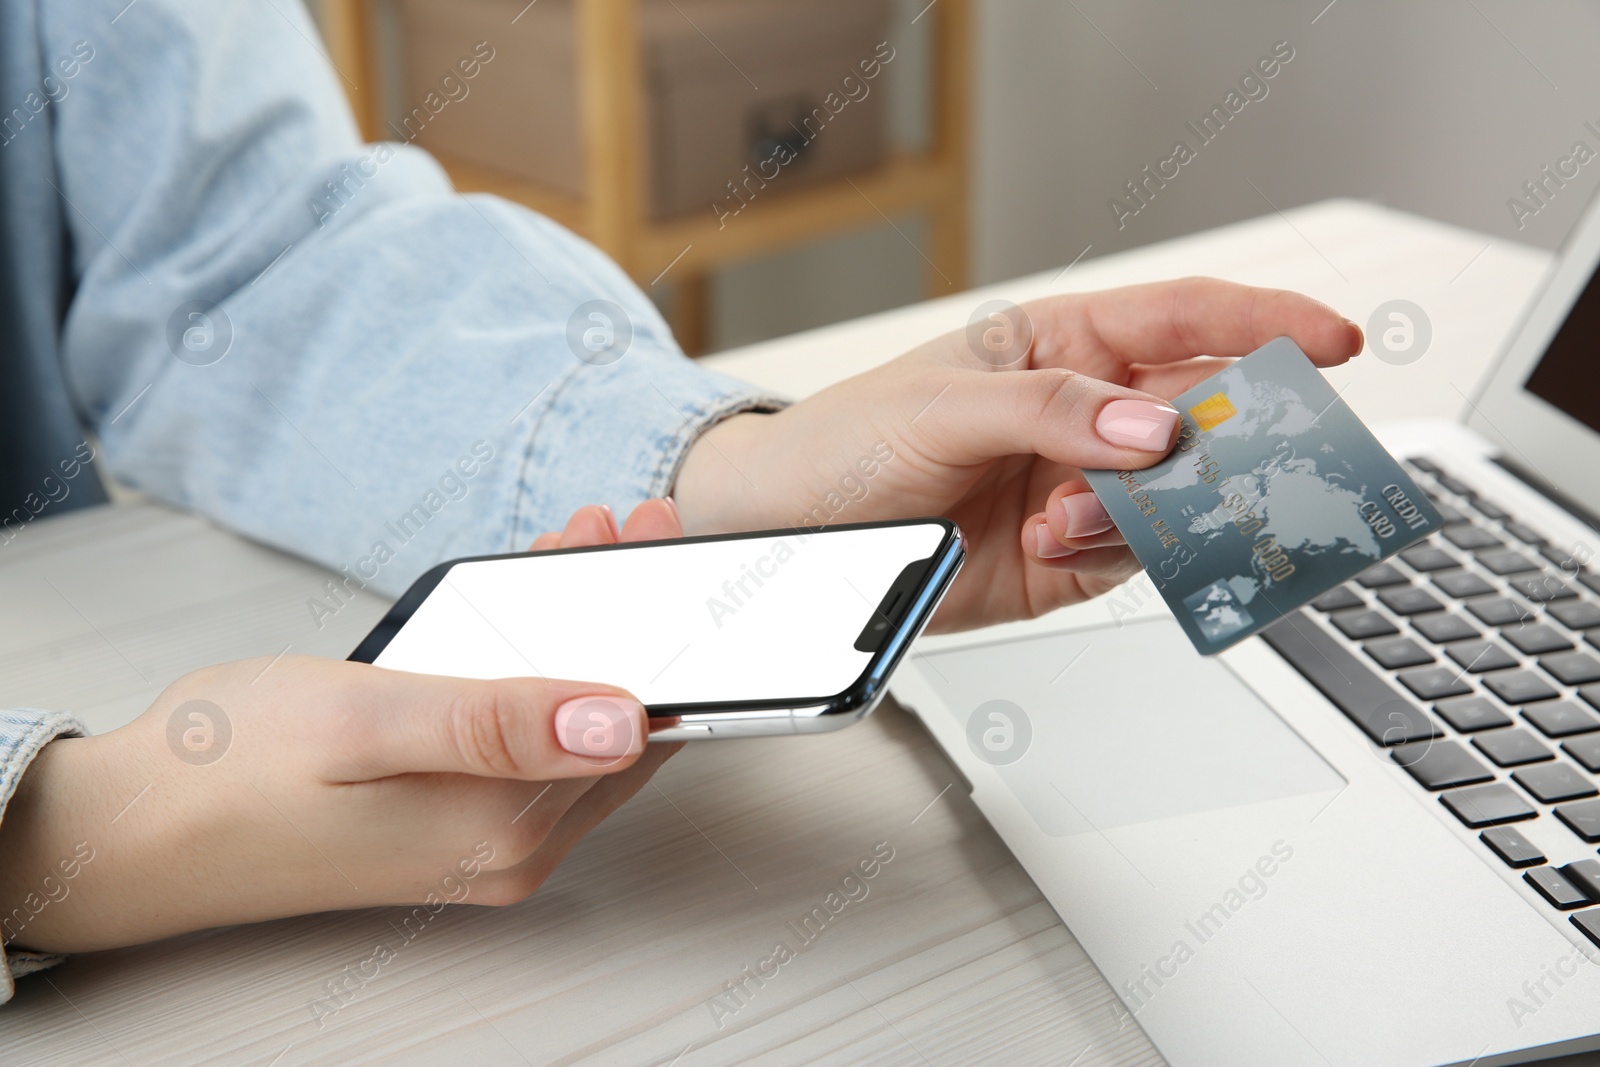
(1540, 404)
(1565, 375)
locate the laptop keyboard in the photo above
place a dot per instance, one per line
(1474, 658)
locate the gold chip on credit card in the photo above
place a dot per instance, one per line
(1214, 410)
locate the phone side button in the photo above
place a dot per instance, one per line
(682, 731)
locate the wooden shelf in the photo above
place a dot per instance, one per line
(775, 219)
(613, 215)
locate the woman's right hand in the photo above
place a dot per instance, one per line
(997, 438)
(264, 788)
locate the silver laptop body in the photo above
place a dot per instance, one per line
(1257, 876)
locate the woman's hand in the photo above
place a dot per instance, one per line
(268, 788)
(998, 446)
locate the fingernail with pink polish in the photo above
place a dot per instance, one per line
(1086, 516)
(1361, 335)
(602, 727)
(1137, 424)
(1048, 546)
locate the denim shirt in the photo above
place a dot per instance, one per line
(217, 291)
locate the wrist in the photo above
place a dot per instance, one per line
(45, 849)
(93, 846)
(714, 490)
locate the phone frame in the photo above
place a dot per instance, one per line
(753, 718)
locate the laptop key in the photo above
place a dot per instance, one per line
(1449, 514)
(1565, 557)
(1525, 533)
(1409, 601)
(1542, 588)
(1576, 614)
(1468, 714)
(1511, 748)
(1489, 509)
(1443, 628)
(1349, 684)
(1590, 580)
(1507, 561)
(1471, 538)
(1585, 874)
(1499, 611)
(1427, 558)
(1455, 485)
(1590, 695)
(1561, 719)
(1360, 625)
(1462, 585)
(1508, 843)
(1519, 687)
(1552, 783)
(1477, 657)
(1425, 465)
(1583, 818)
(1382, 574)
(1589, 923)
(1488, 805)
(1392, 653)
(1586, 750)
(1536, 638)
(1572, 668)
(1440, 764)
(1435, 683)
(1561, 893)
(1339, 598)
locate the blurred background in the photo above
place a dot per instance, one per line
(766, 166)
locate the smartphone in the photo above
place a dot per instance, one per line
(739, 635)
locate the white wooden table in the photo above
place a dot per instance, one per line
(952, 958)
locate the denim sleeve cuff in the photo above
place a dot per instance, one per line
(22, 734)
(642, 413)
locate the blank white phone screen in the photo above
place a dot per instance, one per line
(752, 619)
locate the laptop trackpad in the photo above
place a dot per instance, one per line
(1104, 728)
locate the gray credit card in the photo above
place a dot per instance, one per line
(1275, 494)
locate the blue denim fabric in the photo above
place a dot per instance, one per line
(384, 374)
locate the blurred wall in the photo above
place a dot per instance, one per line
(1440, 107)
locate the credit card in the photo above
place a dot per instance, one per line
(1274, 494)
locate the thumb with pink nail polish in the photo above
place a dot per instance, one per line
(1134, 423)
(605, 728)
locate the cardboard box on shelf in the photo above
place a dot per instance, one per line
(743, 98)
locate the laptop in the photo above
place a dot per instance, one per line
(1369, 835)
